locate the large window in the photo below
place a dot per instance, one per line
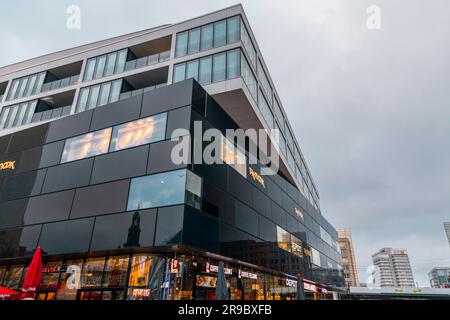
(26, 86)
(284, 239)
(264, 81)
(116, 270)
(215, 35)
(101, 94)
(265, 110)
(249, 78)
(17, 115)
(248, 44)
(139, 132)
(163, 189)
(219, 67)
(87, 145)
(92, 272)
(105, 65)
(278, 114)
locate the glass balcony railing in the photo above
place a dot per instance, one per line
(61, 83)
(51, 114)
(136, 92)
(147, 61)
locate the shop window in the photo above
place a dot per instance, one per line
(70, 280)
(116, 272)
(13, 277)
(284, 239)
(146, 277)
(139, 132)
(92, 273)
(87, 145)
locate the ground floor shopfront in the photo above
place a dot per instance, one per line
(150, 276)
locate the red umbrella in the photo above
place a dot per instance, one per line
(33, 276)
(7, 293)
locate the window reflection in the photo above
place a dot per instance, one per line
(116, 272)
(234, 157)
(284, 239)
(87, 145)
(92, 272)
(139, 132)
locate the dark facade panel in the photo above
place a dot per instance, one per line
(51, 154)
(167, 98)
(49, 207)
(246, 218)
(116, 113)
(4, 142)
(120, 165)
(278, 215)
(124, 230)
(100, 199)
(218, 203)
(66, 176)
(22, 185)
(159, 159)
(240, 187)
(69, 126)
(12, 213)
(169, 226)
(200, 230)
(267, 230)
(30, 159)
(233, 242)
(178, 119)
(262, 203)
(67, 236)
(29, 138)
(19, 242)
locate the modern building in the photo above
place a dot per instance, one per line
(391, 293)
(447, 231)
(392, 268)
(87, 172)
(348, 257)
(439, 277)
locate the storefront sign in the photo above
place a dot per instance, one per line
(291, 283)
(205, 281)
(247, 274)
(309, 286)
(141, 293)
(299, 213)
(257, 177)
(8, 165)
(210, 268)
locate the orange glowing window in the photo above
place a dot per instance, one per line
(139, 132)
(86, 145)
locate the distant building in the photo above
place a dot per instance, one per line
(440, 277)
(348, 257)
(447, 230)
(392, 268)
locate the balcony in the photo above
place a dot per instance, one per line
(61, 83)
(147, 60)
(51, 114)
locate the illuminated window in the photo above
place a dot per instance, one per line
(284, 239)
(87, 145)
(234, 157)
(116, 272)
(139, 132)
(296, 246)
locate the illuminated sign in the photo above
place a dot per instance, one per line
(309, 286)
(174, 266)
(296, 247)
(299, 213)
(210, 268)
(247, 274)
(257, 177)
(291, 283)
(8, 165)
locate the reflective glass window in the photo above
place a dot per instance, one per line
(121, 58)
(139, 132)
(146, 276)
(157, 190)
(93, 97)
(233, 29)
(12, 91)
(87, 145)
(92, 272)
(219, 61)
(179, 72)
(82, 99)
(104, 93)
(182, 44)
(284, 239)
(205, 70)
(233, 64)
(90, 67)
(193, 190)
(248, 44)
(249, 78)
(234, 157)
(31, 85)
(265, 110)
(100, 67)
(207, 37)
(110, 63)
(192, 70)
(116, 270)
(70, 280)
(194, 41)
(13, 277)
(220, 33)
(115, 90)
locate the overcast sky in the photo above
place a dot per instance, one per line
(371, 108)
